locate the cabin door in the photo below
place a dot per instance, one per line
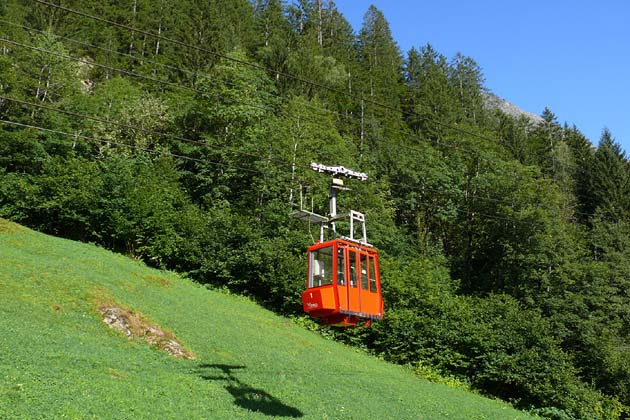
(342, 277)
(354, 281)
(370, 293)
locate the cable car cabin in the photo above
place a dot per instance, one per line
(343, 286)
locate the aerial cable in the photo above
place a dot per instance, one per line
(279, 162)
(200, 160)
(172, 84)
(185, 157)
(75, 136)
(142, 60)
(136, 128)
(140, 76)
(474, 197)
(357, 120)
(130, 146)
(260, 67)
(93, 63)
(275, 161)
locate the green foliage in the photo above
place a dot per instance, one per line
(380, 58)
(275, 35)
(430, 96)
(582, 154)
(467, 77)
(610, 180)
(431, 374)
(52, 76)
(20, 151)
(601, 337)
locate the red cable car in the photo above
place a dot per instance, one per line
(343, 287)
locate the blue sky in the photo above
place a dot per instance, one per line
(570, 56)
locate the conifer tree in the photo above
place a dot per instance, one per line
(429, 98)
(379, 80)
(583, 152)
(380, 58)
(467, 79)
(542, 142)
(275, 38)
(610, 180)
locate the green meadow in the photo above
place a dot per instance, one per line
(59, 360)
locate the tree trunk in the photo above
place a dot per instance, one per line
(295, 147)
(157, 44)
(362, 126)
(133, 20)
(320, 35)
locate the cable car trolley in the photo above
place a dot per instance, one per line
(343, 286)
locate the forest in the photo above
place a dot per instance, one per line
(181, 133)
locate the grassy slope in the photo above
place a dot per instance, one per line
(59, 360)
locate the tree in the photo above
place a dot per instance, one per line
(610, 180)
(380, 59)
(219, 26)
(467, 78)
(583, 154)
(276, 38)
(49, 74)
(225, 120)
(542, 142)
(601, 341)
(430, 101)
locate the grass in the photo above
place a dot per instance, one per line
(58, 359)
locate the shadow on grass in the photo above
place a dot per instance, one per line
(245, 396)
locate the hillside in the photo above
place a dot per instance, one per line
(60, 360)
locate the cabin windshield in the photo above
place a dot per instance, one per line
(321, 267)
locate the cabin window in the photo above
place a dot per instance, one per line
(353, 269)
(321, 267)
(372, 276)
(341, 267)
(364, 272)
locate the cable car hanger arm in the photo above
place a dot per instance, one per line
(339, 171)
